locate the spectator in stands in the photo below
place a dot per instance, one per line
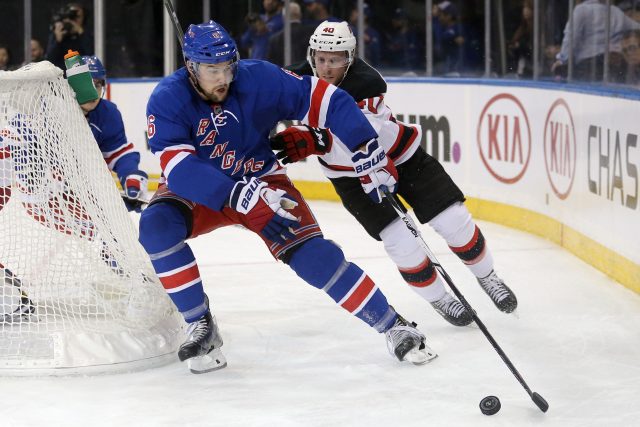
(5, 58)
(521, 44)
(68, 32)
(261, 28)
(37, 51)
(472, 24)
(300, 33)
(402, 44)
(448, 38)
(553, 22)
(372, 39)
(631, 8)
(631, 52)
(318, 12)
(590, 38)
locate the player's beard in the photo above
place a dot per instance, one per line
(218, 94)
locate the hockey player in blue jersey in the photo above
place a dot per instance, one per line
(106, 124)
(209, 124)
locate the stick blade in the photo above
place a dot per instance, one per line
(540, 402)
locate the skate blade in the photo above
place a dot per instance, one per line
(420, 357)
(18, 318)
(212, 361)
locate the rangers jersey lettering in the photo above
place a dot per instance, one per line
(205, 148)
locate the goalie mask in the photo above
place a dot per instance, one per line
(210, 44)
(332, 37)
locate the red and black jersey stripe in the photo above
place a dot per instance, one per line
(406, 136)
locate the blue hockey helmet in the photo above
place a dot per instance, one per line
(98, 72)
(209, 43)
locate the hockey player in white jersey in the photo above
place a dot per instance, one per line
(423, 182)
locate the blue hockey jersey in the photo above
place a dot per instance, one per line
(205, 148)
(106, 124)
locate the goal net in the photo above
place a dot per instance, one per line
(77, 291)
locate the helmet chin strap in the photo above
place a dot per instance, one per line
(344, 75)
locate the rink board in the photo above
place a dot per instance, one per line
(562, 164)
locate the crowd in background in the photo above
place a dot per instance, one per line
(394, 35)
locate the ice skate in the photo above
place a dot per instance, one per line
(202, 348)
(500, 294)
(452, 310)
(407, 343)
(25, 312)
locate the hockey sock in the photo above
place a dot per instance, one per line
(162, 233)
(464, 238)
(414, 266)
(321, 263)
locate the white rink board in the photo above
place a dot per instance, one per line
(596, 196)
(589, 183)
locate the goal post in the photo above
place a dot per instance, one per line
(78, 293)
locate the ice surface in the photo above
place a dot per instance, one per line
(296, 359)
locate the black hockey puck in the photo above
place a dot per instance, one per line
(490, 405)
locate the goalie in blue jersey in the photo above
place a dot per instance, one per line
(209, 124)
(107, 127)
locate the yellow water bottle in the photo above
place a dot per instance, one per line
(79, 77)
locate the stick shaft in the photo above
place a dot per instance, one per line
(168, 4)
(411, 225)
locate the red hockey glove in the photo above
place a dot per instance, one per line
(299, 142)
(375, 170)
(265, 208)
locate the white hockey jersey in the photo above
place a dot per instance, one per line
(399, 140)
(367, 87)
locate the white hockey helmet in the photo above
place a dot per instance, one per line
(332, 37)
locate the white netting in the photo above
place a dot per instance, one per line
(76, 288)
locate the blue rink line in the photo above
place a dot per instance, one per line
(609, 91)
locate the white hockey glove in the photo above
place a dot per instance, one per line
(375, 170)
(265, 208)
(135, 193)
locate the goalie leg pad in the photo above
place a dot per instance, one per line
(321, 263)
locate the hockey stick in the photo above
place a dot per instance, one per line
(142, 201)
(411, 225)
(168, 4)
